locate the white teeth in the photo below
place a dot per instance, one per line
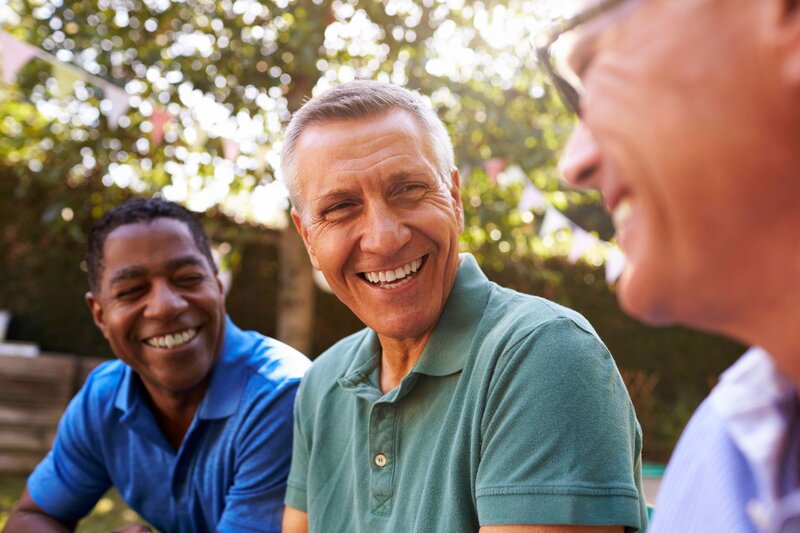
(622, 213)
(173, 339)
(388, 276)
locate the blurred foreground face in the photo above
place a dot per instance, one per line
(685, 131)
(378, 222)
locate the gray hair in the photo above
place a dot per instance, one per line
(360, 99)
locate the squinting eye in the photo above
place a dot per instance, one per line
(130, 294)
(412, 191)
(191, 280)
(338, 211)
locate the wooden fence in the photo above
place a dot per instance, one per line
(34, 391)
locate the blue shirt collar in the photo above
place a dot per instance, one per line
(225, 389)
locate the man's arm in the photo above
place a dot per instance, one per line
(27, 517)
(551, 529)
(294, 520)
(559, 441)
(255, 499)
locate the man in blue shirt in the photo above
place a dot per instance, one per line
(193, 423)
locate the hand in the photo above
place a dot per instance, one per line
(136, 528)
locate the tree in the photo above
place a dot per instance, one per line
(211, 85)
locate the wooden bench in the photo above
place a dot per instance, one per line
(34, 391)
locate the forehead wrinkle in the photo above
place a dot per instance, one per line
(341, 182)
(127, 274)
(186, 260)
(138, 271)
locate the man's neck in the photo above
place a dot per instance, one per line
(174, 413)
(398, 357)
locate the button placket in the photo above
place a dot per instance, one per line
(382, 455)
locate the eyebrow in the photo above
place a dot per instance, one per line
(136, 272)
(341, 192)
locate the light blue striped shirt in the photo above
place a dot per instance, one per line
(736, 466)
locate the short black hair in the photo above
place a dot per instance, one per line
(132, 212)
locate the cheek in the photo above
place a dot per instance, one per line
(329, 247)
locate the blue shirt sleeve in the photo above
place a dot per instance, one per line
(255, 500)
(72, 477)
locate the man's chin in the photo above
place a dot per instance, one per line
(643, 301)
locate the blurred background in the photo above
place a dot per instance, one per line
(104, 100)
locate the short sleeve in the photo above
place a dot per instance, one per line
(560, 441)
(298, 475)
(254, 503)
(73, 477)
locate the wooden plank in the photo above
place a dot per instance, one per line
(33, 394)
(26, 439)
(19, 462)
(15, 416)
(44, 367)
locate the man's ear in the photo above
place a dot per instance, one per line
(301, 229)
(455, 192)
(787, 26)
(96, 308)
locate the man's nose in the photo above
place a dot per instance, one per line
(385, 230)
(580, 162)
(164, 302)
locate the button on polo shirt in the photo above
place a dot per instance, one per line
(514, 414)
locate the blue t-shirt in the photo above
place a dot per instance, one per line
(230, 471)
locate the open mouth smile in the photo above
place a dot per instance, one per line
(392, 279)
(172, 340)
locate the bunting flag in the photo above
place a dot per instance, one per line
(531, 199)
(230, 149)
(615, 263)
(582, 241)
(494, 167)
(14, 55)
(200, 138)
(160, 119)
(65, 80)
(261, 159)
(553, 221)
(119, 104)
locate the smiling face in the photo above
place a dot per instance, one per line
(160, 306)
(681, 133)
(378, 222)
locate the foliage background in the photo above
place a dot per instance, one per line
(235, 70)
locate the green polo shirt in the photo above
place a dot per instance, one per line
(514, 414)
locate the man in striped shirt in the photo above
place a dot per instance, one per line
(690, 128)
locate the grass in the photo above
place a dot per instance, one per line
(109, 514)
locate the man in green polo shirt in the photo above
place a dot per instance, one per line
(463, 406)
